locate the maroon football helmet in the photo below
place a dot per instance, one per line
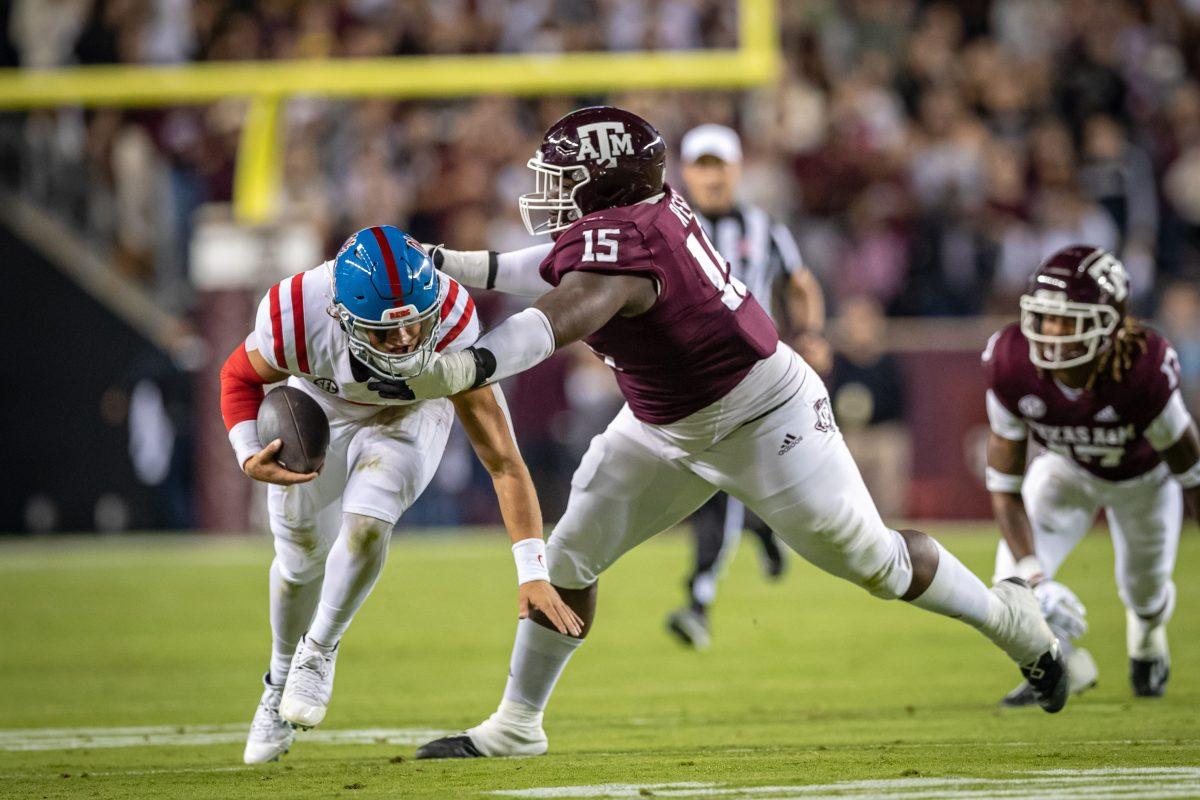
(593, 158)
(1086, 285)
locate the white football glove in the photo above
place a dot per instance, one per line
(1063, 610)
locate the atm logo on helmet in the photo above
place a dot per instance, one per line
(1110, 275)
(611, 141)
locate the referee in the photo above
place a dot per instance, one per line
(763, 255)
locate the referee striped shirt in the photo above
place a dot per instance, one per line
(758, 249)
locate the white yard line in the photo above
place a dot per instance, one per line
(193, 736)
(1135, 783)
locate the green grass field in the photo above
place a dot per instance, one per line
(811, 683)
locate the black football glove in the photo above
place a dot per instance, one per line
(391, 389)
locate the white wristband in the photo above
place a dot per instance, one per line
(1029, 569)
(244, 438)
(1191, 478)
(530, 555)
(998, 481)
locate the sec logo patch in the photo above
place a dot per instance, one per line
(1032, 406)
(327, 385)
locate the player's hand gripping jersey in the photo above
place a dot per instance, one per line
(704, 332)
(296, 333)
(1113, 430)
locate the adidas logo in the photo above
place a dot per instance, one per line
(1107, 414)
(789, 441)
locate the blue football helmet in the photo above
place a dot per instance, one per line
(388, 297)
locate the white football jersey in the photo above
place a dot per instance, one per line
(295, 333)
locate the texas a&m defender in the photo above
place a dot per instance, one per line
(714, 401)
(378, 311)
(1099, 392)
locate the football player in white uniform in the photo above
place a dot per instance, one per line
(1100, 392)
(379, 310)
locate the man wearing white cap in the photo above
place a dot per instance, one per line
(763, 255)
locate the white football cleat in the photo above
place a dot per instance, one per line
(690, 627)
(514, 730)
(1021, 631)
(1082, 672)
(270, 736)
(309, 685)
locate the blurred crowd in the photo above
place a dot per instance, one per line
(925, 154)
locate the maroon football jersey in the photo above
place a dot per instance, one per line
(700, 337)
(1103, 429)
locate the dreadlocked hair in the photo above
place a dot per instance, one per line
(1128, 343)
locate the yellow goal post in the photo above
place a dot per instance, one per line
(266, 84)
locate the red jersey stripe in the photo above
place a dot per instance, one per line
(463, 321)
(389, 261)
(277, 328)
(298, 322)
(451, 299)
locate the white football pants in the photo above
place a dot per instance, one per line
(1144, 519)
(378, 463)
(790, 466)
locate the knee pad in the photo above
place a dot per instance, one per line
(565, 570)
(299, 551)
(365, 536)
(296, 571)
(1149, 596)
(891, 578)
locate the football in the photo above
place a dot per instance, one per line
(289, 414)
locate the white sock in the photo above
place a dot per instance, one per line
(351, 571)
(956, 592)
(539, 656)
(1146, 637)
(292, 606)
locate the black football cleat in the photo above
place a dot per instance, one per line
(1081, 676)
(690, 627)
(773, 560)
(1149, 676)
(459, 746)
(1048, 679)
(1019, 697)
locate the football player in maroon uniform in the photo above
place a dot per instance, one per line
(714, 402)
(1100, 393)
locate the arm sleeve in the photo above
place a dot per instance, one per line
(1003, 422)
(241, 396)
(785, 246)
(522, 341)
(1169, 425)
(518, 272)
(515, 272)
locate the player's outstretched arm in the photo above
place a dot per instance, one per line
(1006, 470)
(515, 272)
(485, 419)
(1183, 459)
(242, 379)
(580, 305)
(1005, 474)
